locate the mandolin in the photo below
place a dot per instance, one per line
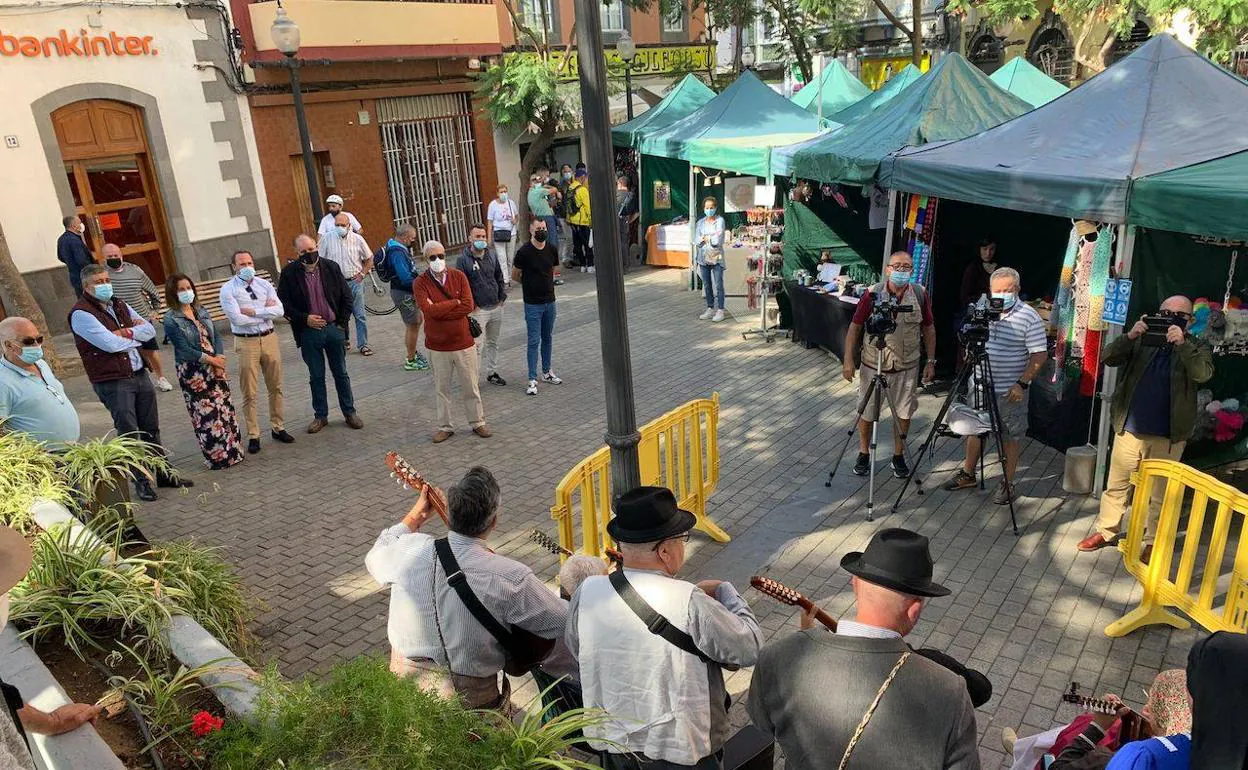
(785, 595)
(408, 477)
(1133, 726)
(552, 545)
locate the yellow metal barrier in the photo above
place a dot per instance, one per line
(679, 450)
(1209, 581)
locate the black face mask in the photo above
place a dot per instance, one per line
(540, 236)
(309, 257)
(114, 263)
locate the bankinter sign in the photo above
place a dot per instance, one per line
(82, 44)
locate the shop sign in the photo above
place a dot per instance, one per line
(1117, 297)
(877, 72)
(658, 60)
(80, 44)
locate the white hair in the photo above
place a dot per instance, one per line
(8, 327)
(1007, 272)
(577, 568)
(430, 246)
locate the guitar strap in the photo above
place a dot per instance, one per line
(658, 625)
(458, 581)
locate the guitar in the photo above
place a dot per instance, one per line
(410, 478)
(1133, 726)
(785, 595)
(552, 545)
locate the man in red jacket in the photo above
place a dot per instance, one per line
(444, 296)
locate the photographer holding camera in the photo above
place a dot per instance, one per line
(1016, 347)
(892, 321)
(1153, 409)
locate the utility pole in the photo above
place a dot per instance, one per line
(916, 36)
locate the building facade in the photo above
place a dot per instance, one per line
(129, 115)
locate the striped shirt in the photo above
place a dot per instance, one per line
(1011, 341)
(348, 253)
(135, 289)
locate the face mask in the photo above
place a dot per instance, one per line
(567, 175)
(31, 355)
(342, 231)
(310, 257)
(540, 236)
(186, 296)
(709, 212)
(1008, 298)
(479, 245)
(113, 263)
(503, 197)
(247, 273)
(438, 265)
(4, 609)
(899, 277)
(103, 292)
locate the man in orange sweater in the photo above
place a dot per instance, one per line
(444, 296)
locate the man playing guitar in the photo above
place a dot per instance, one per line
(460, 613)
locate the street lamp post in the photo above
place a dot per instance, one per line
(285, 34)
(747, 58)
(627, 49)
(617, 367)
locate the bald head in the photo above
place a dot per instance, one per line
(342, 220)
(112, 251)
(1177, 304)
(885, 608)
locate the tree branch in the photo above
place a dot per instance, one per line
(892, 18)
(515, 21)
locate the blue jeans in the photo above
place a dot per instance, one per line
(540, 322)
(357, 310)
(713, 285)
(317, 347)
(552, 230)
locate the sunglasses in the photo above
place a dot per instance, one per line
(28, 341)
(682, 538)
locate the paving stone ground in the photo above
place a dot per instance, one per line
(297, 520)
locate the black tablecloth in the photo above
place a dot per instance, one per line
(819, 319)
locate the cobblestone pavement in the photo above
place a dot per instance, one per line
(297, 520)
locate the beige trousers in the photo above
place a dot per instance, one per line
(256, 355)
(445, 367)
(475, 692)
(1129, 450)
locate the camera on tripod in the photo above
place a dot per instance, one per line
(979, 314)
(883, 318)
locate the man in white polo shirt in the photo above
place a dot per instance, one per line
(1017, 348)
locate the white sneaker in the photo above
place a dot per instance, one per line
(532, 389)
(707, 315)
(584, 269)
(163, 384)
(719, 316)
(591, 269)
(552, 378)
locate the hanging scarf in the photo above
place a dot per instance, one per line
(1077, 310)
(1102, 254)
(1062, 315)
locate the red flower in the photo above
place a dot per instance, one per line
(204, 723)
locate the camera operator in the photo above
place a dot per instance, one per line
(1017, 347)
(1153, 411)
(898, 360)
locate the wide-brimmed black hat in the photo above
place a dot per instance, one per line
(647, 515)
(898, 559)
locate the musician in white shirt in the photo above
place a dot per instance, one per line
(333, 207)
(250, 303)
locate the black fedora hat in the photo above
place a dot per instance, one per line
(898, 559)
(647, 515)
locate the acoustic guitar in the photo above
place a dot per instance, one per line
(410, 478)
(552, 545)
(1133, 726)
(785, 595)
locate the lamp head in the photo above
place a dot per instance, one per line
(747, 58)
(285, 33)
(626, 47)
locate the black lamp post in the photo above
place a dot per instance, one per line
(627, 49)
(285, 34)
(617, 365)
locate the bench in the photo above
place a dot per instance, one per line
(208, 294)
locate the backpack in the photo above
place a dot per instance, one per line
(574, 205)
(383, 266)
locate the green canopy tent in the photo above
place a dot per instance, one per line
(878, 98)
(685, 97)
(1023, 79)
(1209, 198)
(835, 89)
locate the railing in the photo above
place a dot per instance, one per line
(1198, 565)
(679, 450)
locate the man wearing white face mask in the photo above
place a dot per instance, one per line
(18, 717)
(1017, 348)
(348, 249)
(32, 400)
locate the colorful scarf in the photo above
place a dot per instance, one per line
(1078, 307)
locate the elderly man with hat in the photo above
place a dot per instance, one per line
(18, 717)
(652, 648)
(861, 692)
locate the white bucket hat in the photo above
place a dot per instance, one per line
(334, 199)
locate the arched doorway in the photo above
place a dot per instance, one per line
(104, 147)
(1051, 49)
(986, 49)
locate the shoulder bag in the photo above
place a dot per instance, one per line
(474, 327)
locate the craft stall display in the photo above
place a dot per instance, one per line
(920, 233)
(762, 237)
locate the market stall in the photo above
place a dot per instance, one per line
(820, 318)
(878, 98)
(1023, 79)
(834, 90)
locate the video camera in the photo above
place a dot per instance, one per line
(979, 314)
(1159, 327)
(883, 318)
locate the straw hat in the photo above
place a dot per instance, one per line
(1085, 228)
(15, 558)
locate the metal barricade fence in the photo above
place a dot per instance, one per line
(1199, 564)
(679, 450)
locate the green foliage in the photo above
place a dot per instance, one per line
(362, 717)
(206, 588)
(30, 474)
(86, 464)
(523, 91)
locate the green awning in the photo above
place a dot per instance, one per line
(836, 87)
(877, 99)
(685, 97)
(953, 100)
(1023, 79)
(1209, 198)
(742, 154)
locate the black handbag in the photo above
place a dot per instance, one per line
(502, 236)
(474, 327)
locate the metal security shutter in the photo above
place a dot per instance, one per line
(431, 164)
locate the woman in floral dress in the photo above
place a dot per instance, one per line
(201, 373)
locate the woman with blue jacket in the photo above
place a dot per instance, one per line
(201, 373)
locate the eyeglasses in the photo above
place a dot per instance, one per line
(682, 538)
(902, 267)
(28, 341)
(251, 292)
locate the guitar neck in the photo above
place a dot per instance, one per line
(436, 501)
(827, 620)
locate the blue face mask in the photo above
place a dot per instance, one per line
(186, 296)
(709, 212)
(479, 245)
(103, 292)
(503, 197)
(342, 231)
(1008, 298)
(899, 277)
(32, 354)
(247, 273)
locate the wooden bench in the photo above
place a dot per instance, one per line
(208, 294)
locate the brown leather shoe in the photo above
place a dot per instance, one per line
(316, 425)
(1147, 553)
(1094, 542)
(483, 431)
(354, 421)
(442, 435)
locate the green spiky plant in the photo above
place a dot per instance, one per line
(31, 474)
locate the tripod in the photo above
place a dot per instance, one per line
(877, 390)
(976, 374)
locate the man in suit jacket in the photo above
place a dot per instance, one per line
(317, 301)
(814, 689)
